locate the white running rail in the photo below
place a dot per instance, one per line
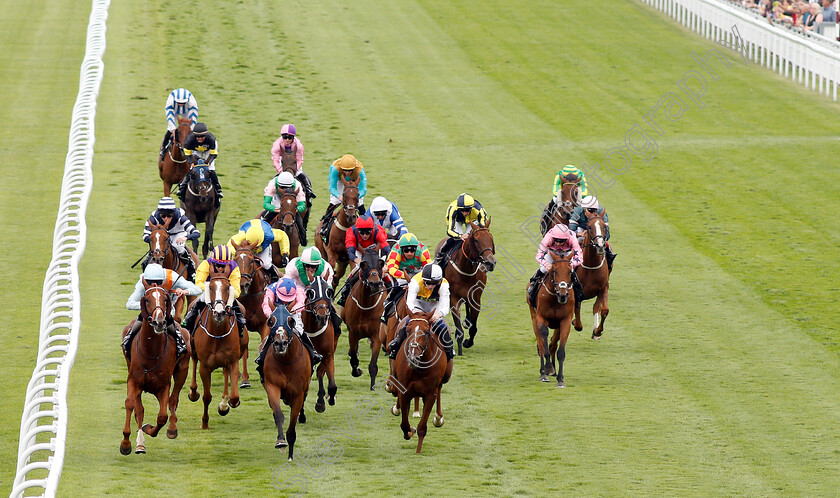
(43, 424)
(813, 63)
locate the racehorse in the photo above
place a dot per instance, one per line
(287, 370)
(216, 344)
(289, 165)
(152, 366)
(336, 251)
(569, 199)
(421, 371)
(318, 326)
(466, 273)
(162, 253)
(285, 220)
(200, 205)
(173, 165)
(594, 274)
(555, 308)
(363, 310)
(253, 282)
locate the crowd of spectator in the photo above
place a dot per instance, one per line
(797, 14)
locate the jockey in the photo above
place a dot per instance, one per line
(303, 269)
(407, 257)
(577, 223)
(274, 191)
(582, 190)
(344, 169)
(461, 212)
(201, 145)
(428, 292)
(284, 293)
(558, 239)
(366, 233)
(179, 103)
(386, 215)
(289, 144)
(177, 287)
(221, 258)
(180, 230)
(260, 233)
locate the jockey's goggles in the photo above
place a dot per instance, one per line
(154, 282)
(288, 137)
(380, 214)
(310, 266)
(592, 210)
(165, 213)
(409, 249)
(365, 231)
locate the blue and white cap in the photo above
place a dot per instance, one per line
(181, 95)
(167, 203)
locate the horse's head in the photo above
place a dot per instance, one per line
(318, 300)
(350, 202)
(250, 267)
(183, 130)
(370, 270)
(481, 246)
(288, 212)
(159, 246)
(569, 194)
(561, 278)
(200, 183)
(419, 337)
(217, 293)
(282, 323)
(155, 306)
(596, 231)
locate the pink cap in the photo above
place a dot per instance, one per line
(288, 129)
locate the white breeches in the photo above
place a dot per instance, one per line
(181, 248)
(265, 257)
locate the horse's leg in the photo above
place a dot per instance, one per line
(193, 394)
(204, 372)
(373, 367)
(438, 420)
(578, 324)
(243, 354)
(332, 388)
(353, 353)
(428, 404)
(416, 413)
(291, 435)
(178, 379)
(320, 406)
(600, 310)
(166, 188)
(130, 398)
(404, 402)
(456, 319)
(565, 328)
(273, 393)
(473, 308)
(209, 225)
(140, 446)
(224, 405)
(163, 414)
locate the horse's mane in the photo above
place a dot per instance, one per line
(572, 178)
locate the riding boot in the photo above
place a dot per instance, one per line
(336, 321)
(578, 287)
(391, 302)
(361, 209)
(180, 345)
(267, 216)
(260, 359)
(301, 230)
(192, 314)
(135, 327)
(240, 318)
(445, 339)
(445, 248)
(545, 221)
(534, 286)
(187, 259)
(394, 345)
(610, 257)
(273, 274)
(146, 261)
(325, 225)
(345, 290)
(182, 186)
(307, 186)
(313, 354)
(216, 185)
(165, 142)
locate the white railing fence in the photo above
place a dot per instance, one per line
(43, 425)
(813, 63)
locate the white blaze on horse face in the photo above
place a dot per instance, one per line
(598, 234)
(158, 312)
(218, 298)
(158, 243)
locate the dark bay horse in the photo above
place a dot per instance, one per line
(216, 344)
(421, 370)
(173, 165)
(153, 368)
(594, 273)
(336, 251)
(287, 371)
(253, 282)
(555, 308)
(363, 311)
(200, 205)
(285, 220)
(318, 326)
(569, 199)
(162, 253)
(466, 273)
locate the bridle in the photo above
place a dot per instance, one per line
(350, 210)
(212, 307)
(247, 278)
(480, 261)
(201, 182)
(157, 257)
(158, 327)
(288, 227)
(559, 286)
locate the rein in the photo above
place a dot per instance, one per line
(203, 325)
(147, 323)
(477, 263)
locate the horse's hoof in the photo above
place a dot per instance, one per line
(234, 404)
(125, 450)
(596, 337)
(560, 383)
(331, 400)
(172, 434)
(468, 343)
(193, 395)
(281, 443)
(302, 418)
(224, 412)
(140, 449)
(395, 411)
(438, 421)
(578, 327)
(416, 414)
(245, 384)
(320, 406)
(147, 428)
(410, 433)
(543, 378)
(357, 372)
(387, 387)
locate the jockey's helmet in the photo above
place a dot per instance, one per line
(347, 162)
(181, 96)
(286, 290)
(200, 129)
(221, 255)
(288, 129)
(408, 240)
(589, 202)
(284, 180)
(255, 235)
(432, 274)
(364, 222)
(380, 206)
(154, 274)
(166, 203)
(465, 201)
(311, 257)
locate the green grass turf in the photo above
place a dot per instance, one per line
(718, 373)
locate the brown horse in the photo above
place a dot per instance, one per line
(555, 308)
(569, 200)
(200, 206)
(216, 344)
(421, 370)
(287, 371)
(162, 253)
(285, 220)
(152, 367)
(173, 165)
(253, 282)
(336, 251)
(318, 326)
(466, 273)
(363, 311)
(594, 273)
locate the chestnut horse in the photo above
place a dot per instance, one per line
(253, 282)
(569, 199)
(199, 205)
(555, 308)
(466, 272)
(173, 165)
(594, 273)
(363, 311)
(216, 344)
(422, 370)
(162, 253)
(285, 220)
(287, 371)
(336, 251)
(318, 326)
(152, 366)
